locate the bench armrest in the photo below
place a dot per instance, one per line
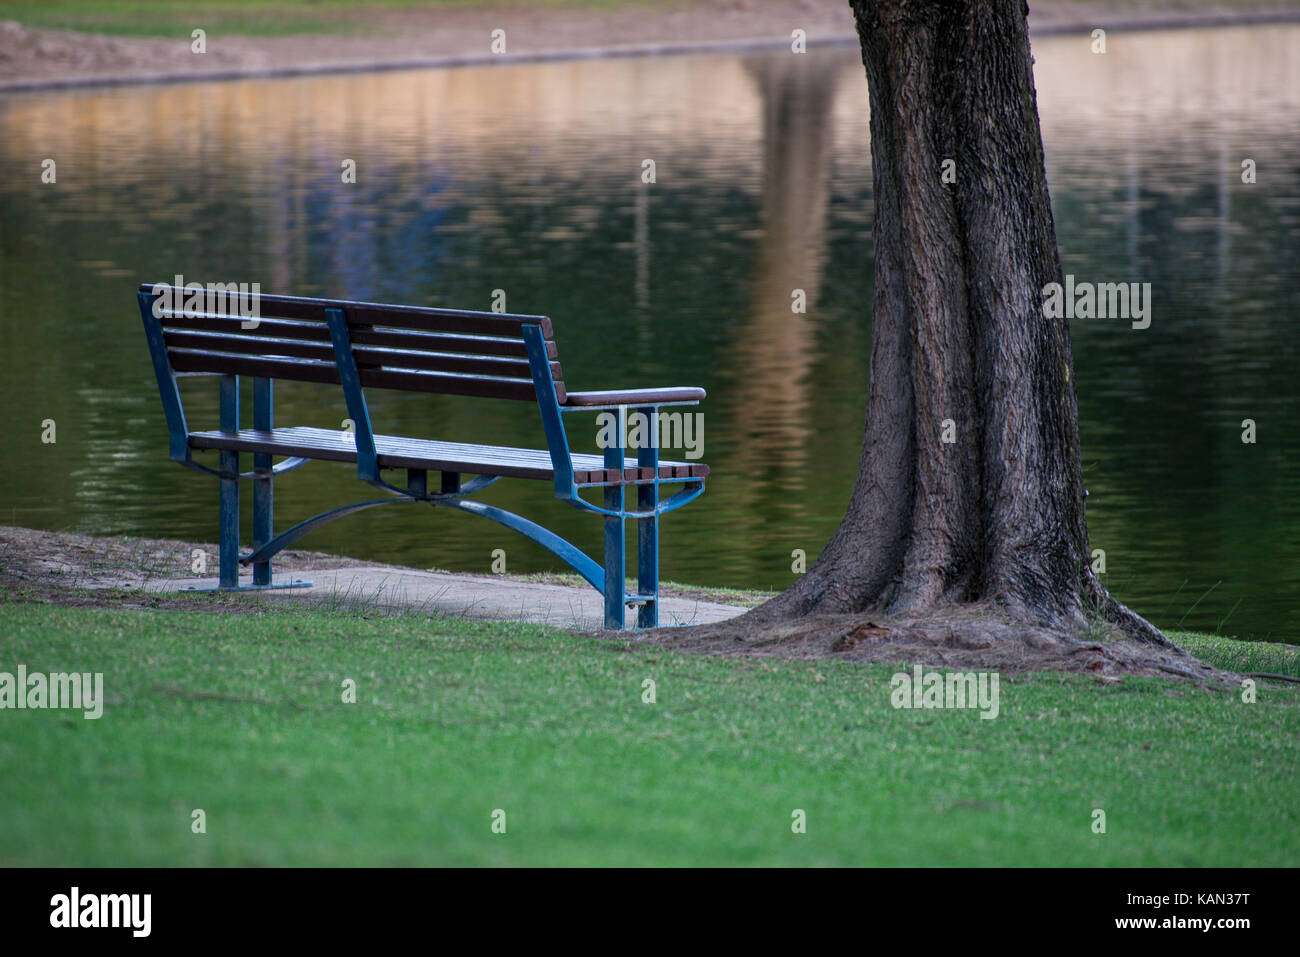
(671, 396)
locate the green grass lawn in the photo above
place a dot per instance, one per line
(274, 17)
(246, 17)
(240, 714)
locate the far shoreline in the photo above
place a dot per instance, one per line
(129, 74)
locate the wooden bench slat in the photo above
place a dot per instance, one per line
(402, 452)
(444, 320)
(425, 318)
(309, 370)
(269, 347)
(319, 332)
(269, 328)
(438, 342)
(445, 362)
(365, 355)
(300, 370)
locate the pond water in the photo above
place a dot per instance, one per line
(527, 179)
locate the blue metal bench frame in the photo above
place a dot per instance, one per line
(609, 579)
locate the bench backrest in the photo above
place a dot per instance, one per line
(408, 348)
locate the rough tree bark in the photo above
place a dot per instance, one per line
(996, 515)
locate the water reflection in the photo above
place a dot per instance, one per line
(527, 179)
(769, 384)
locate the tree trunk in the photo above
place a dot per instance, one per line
(970, 486)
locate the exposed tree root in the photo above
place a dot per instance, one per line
(971, 637)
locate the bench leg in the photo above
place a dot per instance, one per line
(263, 494)
(647, 532)
(615, 544)
(263, 484)
(229, 508)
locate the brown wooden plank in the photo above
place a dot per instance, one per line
(365, 356)
(307, 370)
(382, 314)
(449, 384)
(396, 451)
(392, 451)
(434, 342)
(249, 344)
(270, 328)
(319, 332)
(628, 476)
(298, 370)
(678, 470)
(271, 443)
(445, 320)
(443, 362)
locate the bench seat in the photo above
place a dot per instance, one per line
(406, 453)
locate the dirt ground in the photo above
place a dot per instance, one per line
(109, 572)
(968, 637)
(84, 570)
(32, 58)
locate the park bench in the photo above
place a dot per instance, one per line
(361, 346)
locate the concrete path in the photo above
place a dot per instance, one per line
(391, 587)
